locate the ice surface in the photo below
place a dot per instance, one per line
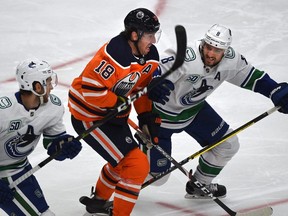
(67, 33)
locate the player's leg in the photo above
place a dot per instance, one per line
(29, 198)
(133, 170)
(158, 162)
(127, 165)
(207, 128)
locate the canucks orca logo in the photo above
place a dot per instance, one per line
(32, 65)
(196, 95)
(18, 146)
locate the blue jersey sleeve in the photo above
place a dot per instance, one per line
(265, 85)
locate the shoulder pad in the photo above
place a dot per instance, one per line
(55, 100)
(5, 102)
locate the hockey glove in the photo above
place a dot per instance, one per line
(6, 194)
(160, 92)
(66, 145)
(149, 123)
(279, 97)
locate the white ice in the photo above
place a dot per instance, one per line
(66, 33)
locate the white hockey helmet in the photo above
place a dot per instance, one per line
(219, 36)
(34, 70)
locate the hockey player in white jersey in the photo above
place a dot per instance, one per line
(25, 116)
(181, 102)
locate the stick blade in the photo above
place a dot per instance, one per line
(266, 211)
(181, 39)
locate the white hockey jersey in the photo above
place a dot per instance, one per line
(194, 82)
(20, 130)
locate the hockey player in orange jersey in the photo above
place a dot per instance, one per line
(120, 68)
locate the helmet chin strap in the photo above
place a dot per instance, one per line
(141, 59)
(41, 100)
(41, 96)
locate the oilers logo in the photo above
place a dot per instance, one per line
(124, 86)
(19, 146)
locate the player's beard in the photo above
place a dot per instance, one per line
(210, 62)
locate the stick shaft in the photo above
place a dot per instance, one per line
(209, 147)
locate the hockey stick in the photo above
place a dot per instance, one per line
(265, 211)
(181, 39)
(209, 147)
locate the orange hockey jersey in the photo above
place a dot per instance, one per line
(113, 71)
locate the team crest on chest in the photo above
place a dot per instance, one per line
(20, 145)
(124, 85)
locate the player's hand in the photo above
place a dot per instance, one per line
(6, 194)
(68, 146)
(279, 97)
(150, 123)
(161, 91)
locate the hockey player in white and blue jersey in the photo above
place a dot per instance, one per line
(180, 100)
(25, 116)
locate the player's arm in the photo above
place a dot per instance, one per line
(160, 93)
(277, 92)
(55, 138)
(149, 122)
(259, 81)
